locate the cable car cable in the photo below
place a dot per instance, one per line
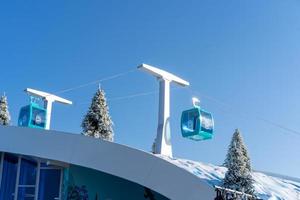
(128, 96)
(123, 97)
(96, 81)
(266, 121)
(138, 94)
(132, 96)
(111, 77)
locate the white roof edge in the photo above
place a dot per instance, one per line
(163, 74)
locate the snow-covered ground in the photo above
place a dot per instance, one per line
(266, 186)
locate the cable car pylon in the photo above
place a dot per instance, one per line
(163, 139)
(36, 115)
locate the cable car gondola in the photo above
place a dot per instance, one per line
(38, 113)
(197, 124)
(33, 115)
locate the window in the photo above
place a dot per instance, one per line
(206, 122)
(9, 175)
(24, 116)
(38, 117)
(27, 179)
(1, 154)
(21, 176)
(192, 119)
(49, 184)
(26, 193)
(1, 167)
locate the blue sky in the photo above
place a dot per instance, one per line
(241, 58)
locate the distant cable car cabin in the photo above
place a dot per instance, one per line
(33, 115)
(197, 124)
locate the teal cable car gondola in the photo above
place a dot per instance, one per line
(33, 115)
(196, 123)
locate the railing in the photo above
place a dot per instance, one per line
(229, 194)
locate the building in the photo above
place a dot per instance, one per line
(39, 164)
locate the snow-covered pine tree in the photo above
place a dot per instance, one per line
(153, 146)
(238, 176)
(4, 114)
(97, 122)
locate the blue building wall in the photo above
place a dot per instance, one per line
(107, 187)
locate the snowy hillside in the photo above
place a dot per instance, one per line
(267, 187)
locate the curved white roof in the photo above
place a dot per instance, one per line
(131, 164)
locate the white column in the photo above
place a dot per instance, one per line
(37, 180)
(18, 178)
(163, 139)
(48, 106)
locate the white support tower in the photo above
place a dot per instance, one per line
(163, 139)
(48, 99)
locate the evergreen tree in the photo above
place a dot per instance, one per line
(77, 193)
(238, 176)
(148, 194)
(97, 122)
(4, 114)
(153, 146)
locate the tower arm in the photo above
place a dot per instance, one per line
(47, 96)
(159, 73)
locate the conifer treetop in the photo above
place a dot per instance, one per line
(238, 176)
(97, 122)
(4, 113)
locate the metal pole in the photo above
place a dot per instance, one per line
(162, 143)
(49, 110)
(163, 139)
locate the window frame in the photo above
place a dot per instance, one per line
(37, 178)
(1, 166)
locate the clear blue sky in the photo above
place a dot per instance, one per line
(245, 54)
